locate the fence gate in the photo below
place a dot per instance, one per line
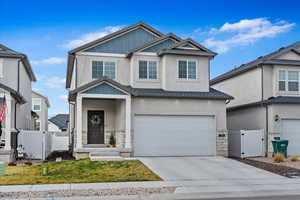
(246, 143)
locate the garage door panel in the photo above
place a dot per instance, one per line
(290, 130)
(174, 135)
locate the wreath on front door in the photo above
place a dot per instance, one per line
(95, 120)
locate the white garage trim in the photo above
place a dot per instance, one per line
(143, 135)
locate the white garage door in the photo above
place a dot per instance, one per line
(174, 135)
(290, 130)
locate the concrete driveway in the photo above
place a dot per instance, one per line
(200, 168)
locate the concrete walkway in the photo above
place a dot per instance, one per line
(204, 168)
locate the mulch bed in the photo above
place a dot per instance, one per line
(65, 155)
(276, 169)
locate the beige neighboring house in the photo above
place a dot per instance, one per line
(40, 105)
(16, 76)
(147, 89)
(59, 123)
(266, 96)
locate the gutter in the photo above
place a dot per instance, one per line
(267, 112)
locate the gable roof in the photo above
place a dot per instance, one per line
(6, 52)
(44, 97)
(154, 42)
(267, 59)
(156, 92)
(16, 95)
(71, 54)
(60, 120)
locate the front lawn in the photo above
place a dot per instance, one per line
(79, 171)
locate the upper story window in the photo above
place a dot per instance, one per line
(187, 69)
(103, 68)
(36, 104)
(147, 69)
(288, 80)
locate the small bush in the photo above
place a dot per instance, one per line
(294, 158)
(12, 164)
(112, 140)
(278, 158)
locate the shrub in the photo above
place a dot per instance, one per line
(112, 140)
(12, 164)
(278, 158)
(294, 158)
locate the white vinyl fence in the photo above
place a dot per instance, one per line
(246, 143)
(39, 144)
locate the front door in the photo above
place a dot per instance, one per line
(96, 127)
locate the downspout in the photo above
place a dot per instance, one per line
(267, 112)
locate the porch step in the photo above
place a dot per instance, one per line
(105, 153)
(106, 158)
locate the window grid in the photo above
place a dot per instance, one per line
(101, 69)
(187, 69)
(288, 81)
(147, 70)
(36, 104)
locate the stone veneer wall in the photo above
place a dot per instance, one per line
(222, 143)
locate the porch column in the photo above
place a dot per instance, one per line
(8, 122)
(79, 122)
(128, 122)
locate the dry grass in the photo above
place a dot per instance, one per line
(79, 171)
(294, 158)
(278, 158)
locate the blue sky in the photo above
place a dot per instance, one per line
(239, 31)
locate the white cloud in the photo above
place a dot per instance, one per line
(55, 82)
(49, 61)
(88, 37)
(245, 32)
(63, 97)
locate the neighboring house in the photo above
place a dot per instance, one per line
(59, 123)
(148, 90)
(40, 105)
(16, 76)
(266, 96)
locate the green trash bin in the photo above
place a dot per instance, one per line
(280, 146)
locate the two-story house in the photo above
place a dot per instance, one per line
(16, 76)
(149, 91)
(40, 105)
(266, 96)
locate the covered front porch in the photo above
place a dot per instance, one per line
(102, 114)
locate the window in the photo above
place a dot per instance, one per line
(37, 125)
(36, 104)
(288, 80)
(281, 80)
(293, 78)
(147, 69)
(101, 69)
(187, 69)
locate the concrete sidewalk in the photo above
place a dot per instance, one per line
(171, 189)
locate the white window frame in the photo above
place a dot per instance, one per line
(148, 78)
(40, 104)
(286, 80)
(104, 61)
(187, 70)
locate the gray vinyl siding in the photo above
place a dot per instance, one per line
(125, 42)
(163, 45)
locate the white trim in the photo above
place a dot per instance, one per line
(147, 79)
(145, 53)
(1, 67)
(79, 122)
(103, 96)
(40, 104)
(188, 48)
(286, 80)
(187, 74)
(102, 54)
(8, 115)
(119, 36)
(128, 143)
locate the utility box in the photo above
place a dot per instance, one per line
(246, 143)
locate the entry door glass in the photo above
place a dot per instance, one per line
(95, 127)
